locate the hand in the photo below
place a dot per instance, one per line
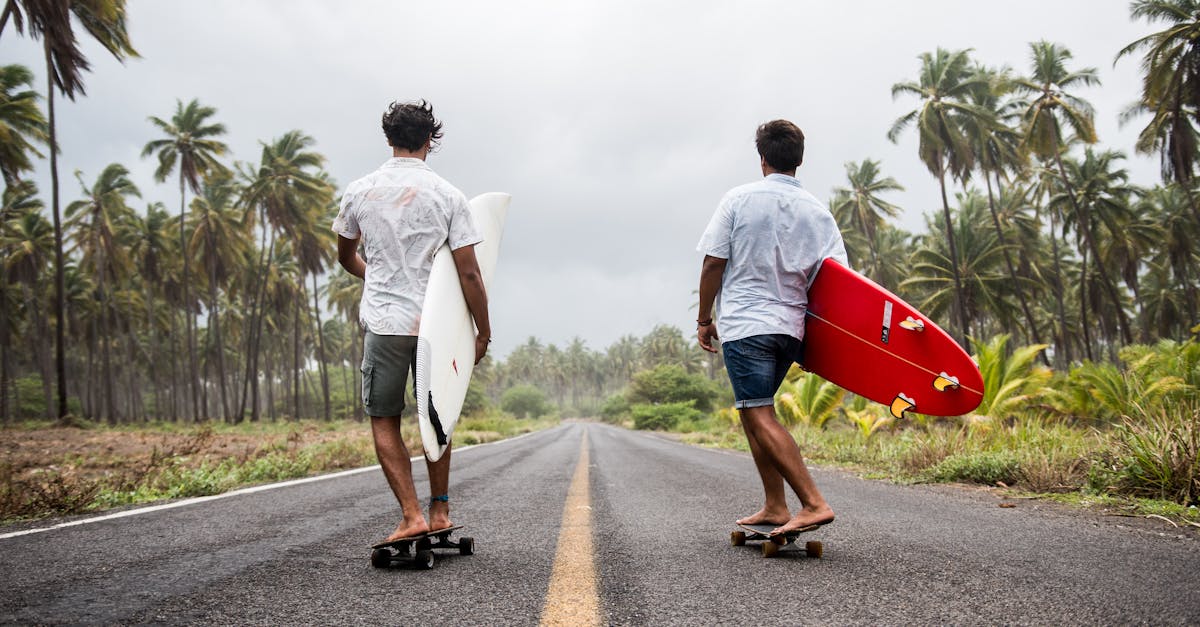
(706, 334)
(481, 346)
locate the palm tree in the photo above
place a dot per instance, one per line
(220, 242)
(50, 21)
(1050, 107)
(96, 219)
(314, 244)
(189, 142)
(20, 122)
(996, 146)
(150, 244)
(983, 285)
(286, 185)
(1101, 192)
(1177, 254)
(861, 201)
(1170, 88)
(944, 87)
(27, 243)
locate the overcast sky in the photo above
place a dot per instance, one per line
(615, 125)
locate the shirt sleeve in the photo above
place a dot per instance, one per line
(715, 242)
(346, 224)
(462, 231)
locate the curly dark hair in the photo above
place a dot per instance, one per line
(781, 144)
(408, 125)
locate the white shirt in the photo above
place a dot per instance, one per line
(774, 234)
(403, 213)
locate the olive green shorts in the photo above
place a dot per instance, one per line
(387, 360)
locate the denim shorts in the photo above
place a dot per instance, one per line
(758, 364)
(387, 360)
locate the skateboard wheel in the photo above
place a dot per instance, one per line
(424, 559)
(424, 544)
(466, 546)
(381, 558)
(779, 540)
(814, 548)
(737, 538)
(769, 549)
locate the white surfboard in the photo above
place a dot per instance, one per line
(446, 340)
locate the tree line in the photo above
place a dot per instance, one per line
(119, 309)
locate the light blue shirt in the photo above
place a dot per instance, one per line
(774, 234)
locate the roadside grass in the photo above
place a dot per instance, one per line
(93, 467)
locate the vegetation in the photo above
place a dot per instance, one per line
(1081, 289)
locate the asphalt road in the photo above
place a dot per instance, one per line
(660, 522)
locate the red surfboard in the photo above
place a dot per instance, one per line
(864, 338)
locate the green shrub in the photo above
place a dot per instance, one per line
(985, 467)
(664, 416)
(1159, 456)
(526, 401)
(670, 383)
(615, 408)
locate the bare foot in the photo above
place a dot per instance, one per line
(765, 517)
(805, 519)
(408, 529)
(439, 516)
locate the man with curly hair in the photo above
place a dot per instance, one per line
(401, 214)
(762, 247)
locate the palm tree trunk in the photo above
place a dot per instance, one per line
(1032, 331)
(253, 335)
(193, 379)
(1085, 225)
(1063, 341)
(321, 351)
(5, 351)
(214, 323)
(960, 304)
(296, 364)
(1083, 302)
(60, 306)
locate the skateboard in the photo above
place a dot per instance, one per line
(771, 545)
(385, 554)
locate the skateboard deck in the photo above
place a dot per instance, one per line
(772, 544)
(386, 554)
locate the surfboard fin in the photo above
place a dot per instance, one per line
(945, 382)
(912, 324)
(901, 404)
(436, 423)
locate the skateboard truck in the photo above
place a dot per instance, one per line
(945, 382)
(901, 404)
(771, 545)
(912, 324)
(385, 554)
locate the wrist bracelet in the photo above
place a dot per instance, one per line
(703, 323)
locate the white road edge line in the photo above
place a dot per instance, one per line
(224, 495)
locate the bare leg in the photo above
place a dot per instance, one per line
(397, 467)
(783, 454)
(775, 510)
(439, 483)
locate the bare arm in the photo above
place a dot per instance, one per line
(476, 296)
(711, 274)
(350, 259)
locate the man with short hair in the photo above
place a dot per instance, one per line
(762, 247)
(402, 214)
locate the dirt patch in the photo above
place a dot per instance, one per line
(58, 471)
(97, 453)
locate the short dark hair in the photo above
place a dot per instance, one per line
(781, 144)
(408, 125)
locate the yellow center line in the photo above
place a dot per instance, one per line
(573, 597)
